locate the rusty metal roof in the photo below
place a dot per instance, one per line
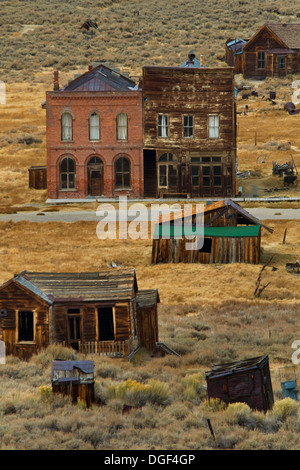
(101, 78)
(210, 206)
(228, 368)
(111, 284)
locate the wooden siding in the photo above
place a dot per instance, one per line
(199, 93)
(223, 250)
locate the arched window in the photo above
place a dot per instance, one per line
(66, 127)
(122, 173)
(122, 126)
(94, 127)
(67, 173)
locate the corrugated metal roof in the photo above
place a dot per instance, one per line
(101, 78)
(85, 366)
(104, 285)
(211, 206)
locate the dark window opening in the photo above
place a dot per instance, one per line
(281, 63)
(207, 243)
(260, 60)
(26, 326)
(163, 175)
(122, 173)
(74, 327)
(188, 126)
(195, 170)
(172, 177)
(67, 173)
(106, 324)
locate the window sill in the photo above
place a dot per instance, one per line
(95, 141)
(67, 141)
(21, 343)
(68, 190)
(120, 141)
(123, 189)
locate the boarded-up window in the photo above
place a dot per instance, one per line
(162, 126)
(66, 127)
(213, 127)
(94, 127)
(67, 173)
(122, 127)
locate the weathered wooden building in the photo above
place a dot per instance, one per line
(246, 381)
(273, 51)
(223, 232)
(189, 131)
(102, 312)
(75, 379)
(234, 53)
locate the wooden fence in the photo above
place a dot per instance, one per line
(107, 348)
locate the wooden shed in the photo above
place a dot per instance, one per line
(227, 234)
(37, 177)
(74, 378)
(91, 312)
(247, 381)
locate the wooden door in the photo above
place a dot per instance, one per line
(96, 181)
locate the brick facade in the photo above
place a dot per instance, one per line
(107, 105)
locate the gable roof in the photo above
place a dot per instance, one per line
(91, 286)
(287, 35)
(101, 78)
(209, 207)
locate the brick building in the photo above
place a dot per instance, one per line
(94, 136)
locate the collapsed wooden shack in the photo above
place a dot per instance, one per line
(227, 233)
(247, 381)
(99, 313)
(75, 379)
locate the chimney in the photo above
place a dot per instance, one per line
(56, 82)
(201, 60)
(90, 67)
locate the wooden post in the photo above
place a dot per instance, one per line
(210, 428)
(283, 241)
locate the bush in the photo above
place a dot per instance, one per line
(193, 387)
(239, 413)
(215, 404)
(285, 408)
(136, 393)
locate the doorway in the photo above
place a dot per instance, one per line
(26, 325)
(106, 330)
(95, 177)
(74, 327)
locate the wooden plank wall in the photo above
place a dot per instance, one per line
(148, 328)
(224, 250)
(179, 91)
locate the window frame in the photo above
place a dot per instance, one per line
(67, 173)
(188, 127)
(97, 127)
(161, 126)
(261, 59)
(213, 128)
(121, 127)
(123, 173)
(63, 126)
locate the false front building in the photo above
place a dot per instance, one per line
(189, 131)
(94, 136)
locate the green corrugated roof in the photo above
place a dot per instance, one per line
(180, 231)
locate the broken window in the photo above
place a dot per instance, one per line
(67, 172)
(188, 126)
(66, 127)
(162, 125)
(213, 127)
(261, 60)
(122, 173)
(94, 127)
(122, 127)
(26, 325)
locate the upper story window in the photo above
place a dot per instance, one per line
(67, 173)
(66, 126)
(122, 132)
(94, 127)
(162, 125)
(260, 60)
(188, 126)
(213, 127)
(122, 173)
